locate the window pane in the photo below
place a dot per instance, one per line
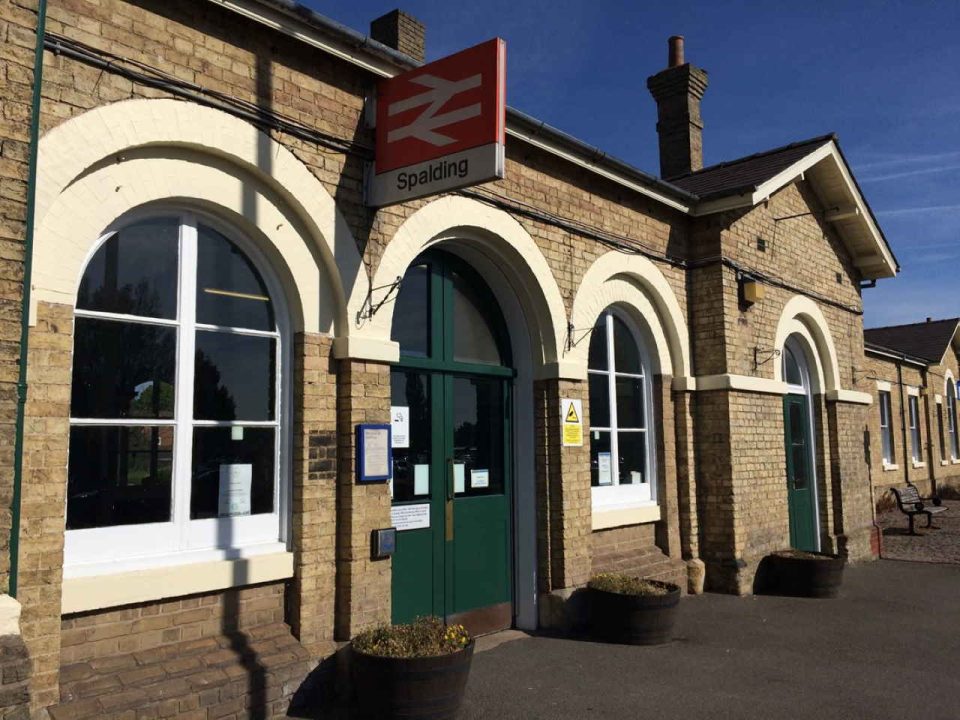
(799, 466)
(626, 354)
(598, 345)
(411, 465)
(119, 476)
(474, 339)
(235, 377)
(411, 316)
(601, 463)
(632, 449)
(135, 272)
(599, 400)
(122, 370)
(230, 291)
(629, 402)
(478, 442)
(233, 472)
(791, 368)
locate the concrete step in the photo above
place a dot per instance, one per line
(218, 677)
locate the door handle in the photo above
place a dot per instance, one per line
(448, 505)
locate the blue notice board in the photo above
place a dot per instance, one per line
(374, 453)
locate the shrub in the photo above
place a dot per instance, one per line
(424, 637)
(627, 585)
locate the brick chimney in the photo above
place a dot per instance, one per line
(678, 91)
(402, 32)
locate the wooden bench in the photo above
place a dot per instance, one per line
(911, 504)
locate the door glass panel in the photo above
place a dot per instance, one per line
(411, 316)
(478, 436)
(119, 476)
(599, 400)
(601, 465)
(474, 340)
(629, 402)
(799, 466)
(626, 354)
(791, 368)
(122, 370)
(233, 472)
(411, 464)
(135, 272)
(235, 377)
(230, 292)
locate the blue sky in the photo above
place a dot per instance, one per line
(882, 75)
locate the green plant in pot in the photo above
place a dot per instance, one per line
(631, 610)
(802, 574)
(412, 671)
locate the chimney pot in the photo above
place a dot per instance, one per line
(929, 319)
(402, 32)
(675, 55)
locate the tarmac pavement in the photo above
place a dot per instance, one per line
(888, 647)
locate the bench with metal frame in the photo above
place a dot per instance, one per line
(912, 504)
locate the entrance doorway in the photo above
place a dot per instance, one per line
(798, 441)
(452, 479)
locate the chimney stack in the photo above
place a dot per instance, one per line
(402, 32)
(678, 91)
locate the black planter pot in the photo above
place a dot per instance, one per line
(429, 688)
(633, 619)
(798, 576)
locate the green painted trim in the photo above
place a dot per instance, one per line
(428, 365)
(25, 306)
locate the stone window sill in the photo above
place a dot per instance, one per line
(917, 464)
(887, 467)
(617, 517)
(95, 592)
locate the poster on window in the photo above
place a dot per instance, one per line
(400, 421)
(235, 484)
(604, 475)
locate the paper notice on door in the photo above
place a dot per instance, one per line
(459, 484)
(234, 495)
(400, 424)
(421, 479)
(410, 517)
(479, 478)
(636, 477)
(603, 469)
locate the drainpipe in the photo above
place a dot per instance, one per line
(25, 307)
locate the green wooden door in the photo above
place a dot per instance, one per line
(801, 500)
(453, 382)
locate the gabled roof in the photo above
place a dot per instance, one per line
(748, 172)
(927, 340)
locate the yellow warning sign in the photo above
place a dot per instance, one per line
(571, 412)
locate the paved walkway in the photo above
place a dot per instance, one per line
(896, 624)
(941, 545)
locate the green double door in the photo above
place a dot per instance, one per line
(452, 481)
(801, 497)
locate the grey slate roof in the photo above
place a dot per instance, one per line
(926, 340)
(746, 173)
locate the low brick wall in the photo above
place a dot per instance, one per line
(15, 672)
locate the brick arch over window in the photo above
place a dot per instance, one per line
(477, 228)
(801, 316)
(636, 285)
(105, 162)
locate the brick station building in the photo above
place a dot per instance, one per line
(913, 423)
(213, 310)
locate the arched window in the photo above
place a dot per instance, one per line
(175, 411)
(621, 443)
(952, 429)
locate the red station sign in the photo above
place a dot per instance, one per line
(441, 126)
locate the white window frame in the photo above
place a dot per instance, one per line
(617, 496)
(121, 548)
(913, 416)
(952, 430)
(886, 429)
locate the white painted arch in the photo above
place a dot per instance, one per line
(803, 317)
(636, 285)
(108, 161)
(477, 231)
